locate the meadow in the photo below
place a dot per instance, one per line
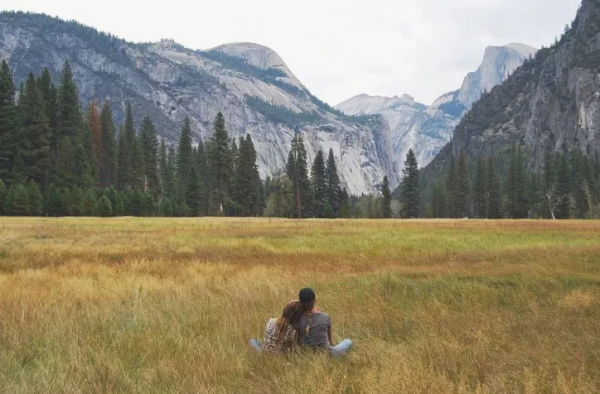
(128, 305)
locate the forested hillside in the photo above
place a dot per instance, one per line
(529, 146)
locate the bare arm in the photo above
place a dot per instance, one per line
(330, 335)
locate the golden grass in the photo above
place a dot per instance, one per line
(167, 305)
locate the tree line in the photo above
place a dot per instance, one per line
(500, 186)
(56, 160)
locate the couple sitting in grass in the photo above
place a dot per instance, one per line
(301, 324)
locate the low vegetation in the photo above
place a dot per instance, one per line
(126, 305)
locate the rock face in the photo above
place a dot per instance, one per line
(551, 103)
(249, 83)
(426, 129)
(498, 63)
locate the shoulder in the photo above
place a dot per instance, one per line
(322, 316)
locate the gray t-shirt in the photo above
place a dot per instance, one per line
(319, 328)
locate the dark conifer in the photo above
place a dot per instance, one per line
(9, 138)
(494, 204)
(34, 133)
(386, 199)
(334, 190)
(185, 158)
(107, 158)
(319, 185)
(70, 121)
(480, 190)
(221, 167)
(410, 196)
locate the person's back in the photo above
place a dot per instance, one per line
(314, 327)
(318, 334)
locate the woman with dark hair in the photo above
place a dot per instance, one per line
(314, 327)
(280, 334)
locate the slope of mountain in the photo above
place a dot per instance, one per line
(249, 83)
(551, 103)
(426, 129)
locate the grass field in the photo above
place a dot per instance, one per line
(167, 306)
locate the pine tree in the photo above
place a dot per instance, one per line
(480, 190)
(50, 96)
(386, 200)
(493, 188)
(319, 184)
(410, 196)
(297, 169)
(9, 138)
(149, 144)
(173, 177)
(333, 191)
(163, 169)
(34, 133)
(129, 154)
(82, 171)
(138, 166)
(35, 199)
(517, 204)
(94, 123)
(221, 167)
(69, 110)
(107, 158)
(451, 177)
(184, 156)
(202, 166)
(123, 160)
(246, 181)
(194, 193)
(461, 188)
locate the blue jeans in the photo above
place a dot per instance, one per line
(341, 348)
(255, 343)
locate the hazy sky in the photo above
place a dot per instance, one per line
(337, 48)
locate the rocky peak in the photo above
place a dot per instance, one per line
(497, 64)
(259, 56)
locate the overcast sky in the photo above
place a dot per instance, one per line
(337, 48)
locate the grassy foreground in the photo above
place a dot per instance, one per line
(167, 306)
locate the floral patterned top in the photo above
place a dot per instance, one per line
(270, 344)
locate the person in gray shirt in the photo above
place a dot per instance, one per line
(314, 327)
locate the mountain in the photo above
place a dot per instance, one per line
(426, 129)
(550, 104)
(249, 83)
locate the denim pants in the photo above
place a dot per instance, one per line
(341, 348)
(255, 343)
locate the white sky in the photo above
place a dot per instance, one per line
(337, 48)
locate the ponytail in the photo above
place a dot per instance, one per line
(308, 308)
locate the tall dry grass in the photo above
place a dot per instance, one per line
(167, 306)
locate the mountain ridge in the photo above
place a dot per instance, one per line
(170, 82)
(426, 129)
